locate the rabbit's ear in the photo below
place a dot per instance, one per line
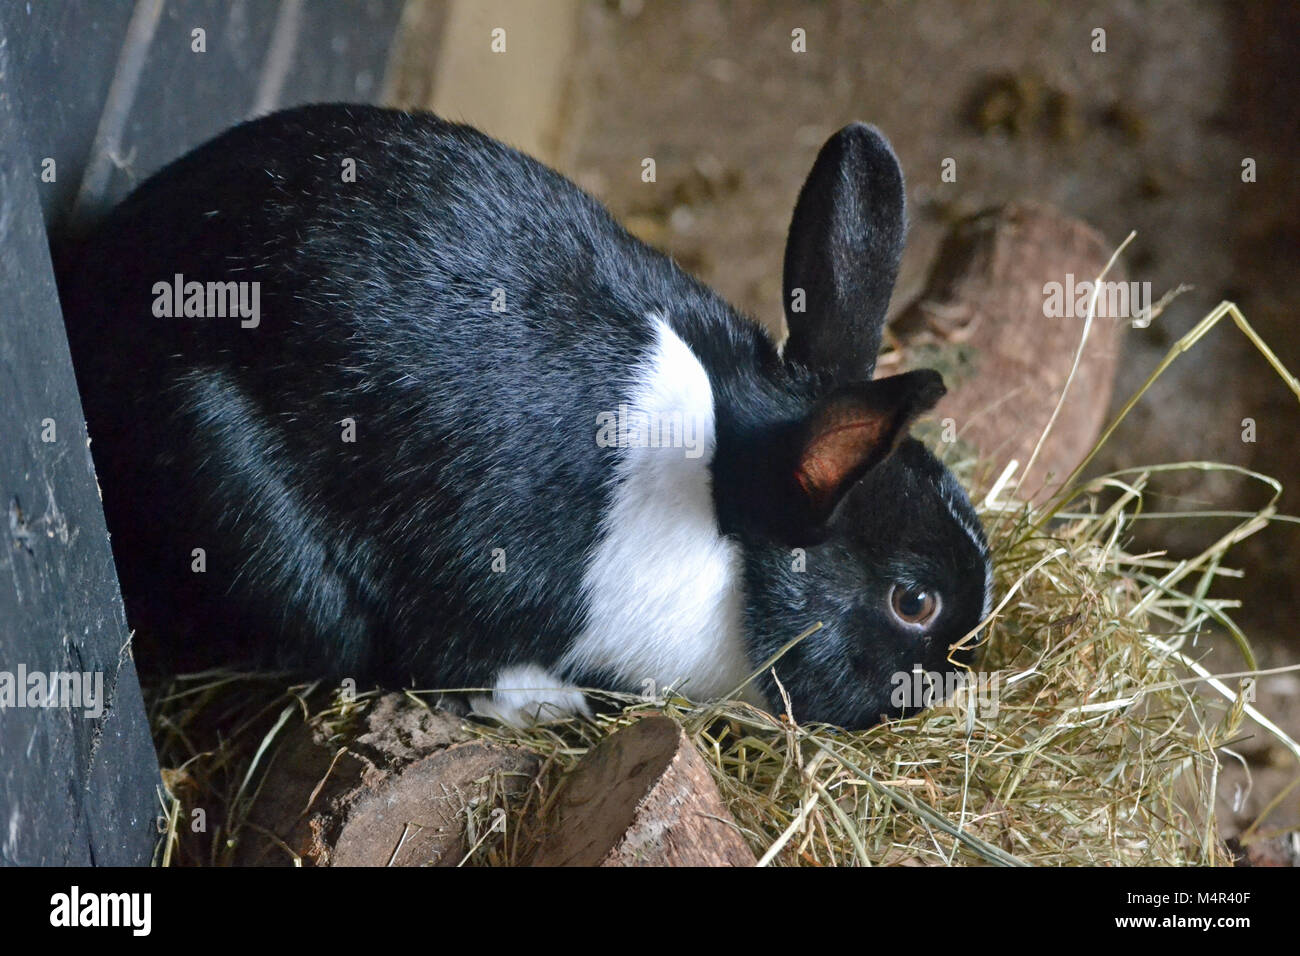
(841, 257)
(848, 433)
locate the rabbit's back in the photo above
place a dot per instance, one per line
(402, 443)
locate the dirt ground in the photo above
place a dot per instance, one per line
(1148, 136)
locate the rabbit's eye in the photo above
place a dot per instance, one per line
(914, 606)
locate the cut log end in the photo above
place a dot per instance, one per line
(643, 797)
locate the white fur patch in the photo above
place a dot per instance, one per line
(663, 587)
(527, 694)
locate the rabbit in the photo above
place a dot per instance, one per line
(373, 395)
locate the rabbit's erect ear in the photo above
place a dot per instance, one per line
(847, 434)
(841, 258)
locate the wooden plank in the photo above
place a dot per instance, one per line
(511, 84)
(183, 97)
(61, 60)
(257, 55)
(65, 57)
(75, 787)
(341, 52)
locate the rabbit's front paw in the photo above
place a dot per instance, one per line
(529, 694)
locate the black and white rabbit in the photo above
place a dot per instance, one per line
(466, 431)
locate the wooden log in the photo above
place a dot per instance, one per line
(396, 791)
(642, 797)
(985, 300)
(77, 766)
(1281, 850)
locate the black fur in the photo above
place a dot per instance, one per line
(845, 243)
(474, 427)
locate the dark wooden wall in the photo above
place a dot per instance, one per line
(111, 90)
